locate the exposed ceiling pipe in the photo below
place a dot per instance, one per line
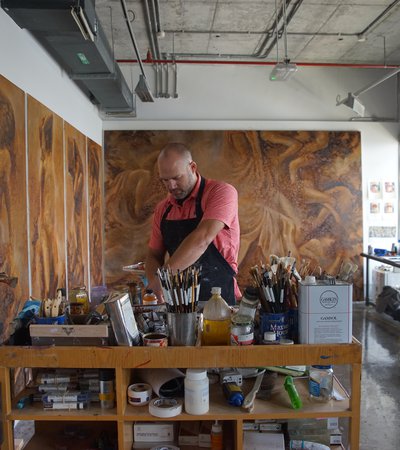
(142, 89)
(264, 53)
(377, 19)
(261, 63)
(156, 28)
(152, 37)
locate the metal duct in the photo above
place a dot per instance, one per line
(72, 34)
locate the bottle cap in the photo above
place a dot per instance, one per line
(251, 293)
(216, 290)
(196, 374)
(216, 427)
(236, 399)
(309, 279)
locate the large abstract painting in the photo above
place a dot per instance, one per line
(13, 215)
(46, 200)
(299, 191)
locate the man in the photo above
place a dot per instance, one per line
(197, 223)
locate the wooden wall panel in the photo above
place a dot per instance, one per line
(76, 207)
(46, 200)
(13, 212)
(96, 212)
(298, 191)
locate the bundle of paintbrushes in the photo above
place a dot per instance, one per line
(180, 289)
(277, 284)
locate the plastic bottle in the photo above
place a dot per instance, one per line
(249, 302)
(196, 391)
(320, 383)
(149, 298)
(290, 388)
(216, 320)
(216, 436)
(233, 393)
(107, 394)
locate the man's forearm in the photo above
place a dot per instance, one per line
(151, 266)
(188, 252)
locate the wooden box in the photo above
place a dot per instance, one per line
(69, 334)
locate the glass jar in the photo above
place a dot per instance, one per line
(242, 330)
(149, 298)
(320, 383)
(78, 300)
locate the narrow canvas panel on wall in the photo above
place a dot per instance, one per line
(96, 212)
(299, 191)
(76, 207)
(13, 211)
(46, 200)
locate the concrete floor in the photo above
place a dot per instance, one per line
(380, 392)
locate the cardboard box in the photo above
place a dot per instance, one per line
(153, 432)
(325, 313)
(205, 434)
(189, 433)
(69, 334)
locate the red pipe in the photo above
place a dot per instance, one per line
(257, 63)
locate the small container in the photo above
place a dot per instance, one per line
(155, 340)
(216, 436)
(320, 383)
(149, 298)
(80, 299)
(249, 302)
(269, 338)
(242, 330)
(107, 394)
(233, 393)
(196, 391)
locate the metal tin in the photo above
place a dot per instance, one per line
(155, 340)
(242, 330)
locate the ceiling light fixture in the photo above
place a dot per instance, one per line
(285, 69)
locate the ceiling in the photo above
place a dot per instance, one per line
(349, 32)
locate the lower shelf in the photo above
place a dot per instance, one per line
(73, 436)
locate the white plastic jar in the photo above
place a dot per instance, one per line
(197, 393)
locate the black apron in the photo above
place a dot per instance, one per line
(216, 271)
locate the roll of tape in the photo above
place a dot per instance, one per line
(139, 394)
(165, 407)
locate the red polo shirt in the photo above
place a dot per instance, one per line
(219, 202)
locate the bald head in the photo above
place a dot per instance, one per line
(177, 170)
(175, 151)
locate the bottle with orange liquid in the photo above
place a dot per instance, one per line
(216, 320)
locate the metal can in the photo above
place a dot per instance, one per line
(242, 330)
